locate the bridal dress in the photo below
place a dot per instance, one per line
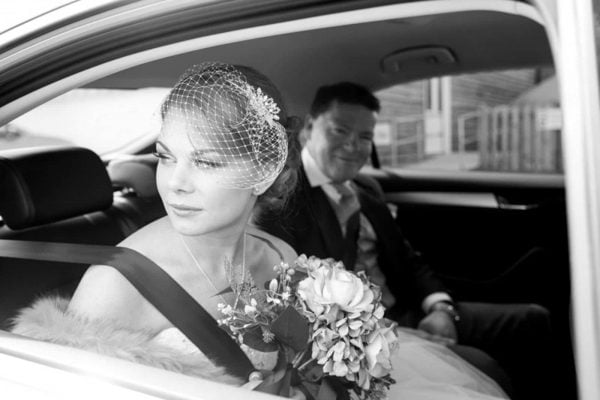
(422, 370)
(427, 370)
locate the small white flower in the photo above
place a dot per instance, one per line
(273, 285)
(226, 309)
(273, 300)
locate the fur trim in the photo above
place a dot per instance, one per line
(48, 319)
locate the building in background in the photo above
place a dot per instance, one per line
(496, 121)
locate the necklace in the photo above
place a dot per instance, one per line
(217, 291)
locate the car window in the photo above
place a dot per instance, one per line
(506, 120)
(103, 120)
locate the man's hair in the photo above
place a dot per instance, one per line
(342, 92)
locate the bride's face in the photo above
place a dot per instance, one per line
(190, 183)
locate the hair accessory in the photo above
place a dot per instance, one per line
(233, 126)
(264, 105)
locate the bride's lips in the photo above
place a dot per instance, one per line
(183, 210)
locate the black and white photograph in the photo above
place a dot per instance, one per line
(307, 199)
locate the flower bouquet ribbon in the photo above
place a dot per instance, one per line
(316, 328)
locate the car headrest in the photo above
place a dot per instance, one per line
(135, 172)
(47, 184)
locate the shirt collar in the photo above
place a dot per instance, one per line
(315, 176)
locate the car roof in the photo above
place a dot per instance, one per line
(431, 39)
(375, 54)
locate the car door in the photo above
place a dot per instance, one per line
(472, 166)
(523, 236)
(576, 51)
(490, 237)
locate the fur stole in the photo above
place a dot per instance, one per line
(48, 319)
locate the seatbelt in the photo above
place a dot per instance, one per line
(155, 285)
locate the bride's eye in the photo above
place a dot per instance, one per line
(163, 158)
(204, 163)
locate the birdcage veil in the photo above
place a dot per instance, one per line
(226, 115)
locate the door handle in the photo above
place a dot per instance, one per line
(504, 204)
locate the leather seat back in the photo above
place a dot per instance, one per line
(59, 194)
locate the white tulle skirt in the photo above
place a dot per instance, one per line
(422, 370)
(427, 370)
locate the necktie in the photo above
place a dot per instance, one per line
(347, 204)
(360, 249)
(347, 210)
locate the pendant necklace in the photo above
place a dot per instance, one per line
(217, 291)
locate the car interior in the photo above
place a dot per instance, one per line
(489, 235)
(47, 199)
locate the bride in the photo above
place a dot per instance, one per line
(223, 154)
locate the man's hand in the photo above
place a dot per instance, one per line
(440, 327)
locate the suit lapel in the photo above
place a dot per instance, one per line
(388, 240)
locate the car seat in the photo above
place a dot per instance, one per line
(59, 194)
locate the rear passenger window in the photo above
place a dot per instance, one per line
(508, 121)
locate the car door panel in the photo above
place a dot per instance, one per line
(490, 239)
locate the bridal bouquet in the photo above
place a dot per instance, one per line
(322, 325)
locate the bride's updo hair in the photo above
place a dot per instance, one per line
(276, 196)
(239, 112)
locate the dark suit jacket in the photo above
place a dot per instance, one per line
(310, 226)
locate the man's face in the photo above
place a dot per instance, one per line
(340, 139)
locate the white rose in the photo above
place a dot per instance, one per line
(378, 351)
(325, 286)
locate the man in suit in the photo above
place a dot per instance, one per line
(335, 213)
